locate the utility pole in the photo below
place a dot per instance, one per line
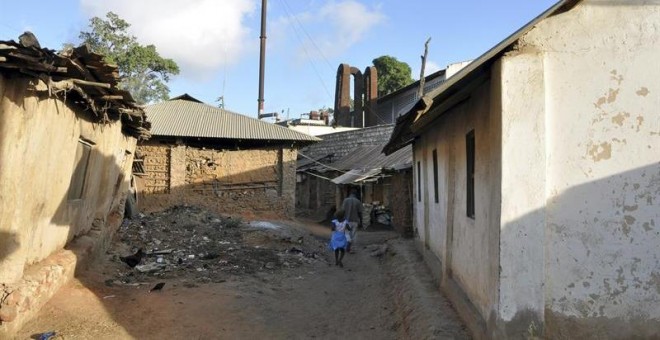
(421, 74)
(262, 59)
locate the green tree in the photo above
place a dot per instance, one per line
(144, 73)
(392, 74)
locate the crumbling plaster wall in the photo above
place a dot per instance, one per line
(602, 180)
(38, 141)
(242, 182)
(39, 138)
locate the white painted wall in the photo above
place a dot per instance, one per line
(567, 230)
(467, 247)
(602, 86)
(523, 186)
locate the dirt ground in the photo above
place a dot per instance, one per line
(229, 279)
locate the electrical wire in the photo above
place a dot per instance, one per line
(317, 162)
(286, 4)
(302, 44)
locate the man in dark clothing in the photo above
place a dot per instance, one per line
(353, 214)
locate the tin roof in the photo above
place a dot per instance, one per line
(368, 163)
(371, 157)
(185, 116)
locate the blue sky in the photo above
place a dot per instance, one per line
(216, 42)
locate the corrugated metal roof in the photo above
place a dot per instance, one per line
(185, 116)
(368, 162)
(371, 157)
(356, 176)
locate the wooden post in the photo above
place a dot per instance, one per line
(421, 73)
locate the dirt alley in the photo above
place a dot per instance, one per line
(271, 280)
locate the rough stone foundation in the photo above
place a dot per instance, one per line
(19, 302)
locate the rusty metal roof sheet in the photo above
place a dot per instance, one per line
(371, 157)
(185, 116)
(355, 176)
(368, 163)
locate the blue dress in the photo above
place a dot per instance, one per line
(338, 238)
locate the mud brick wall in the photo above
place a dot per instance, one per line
(157, 169)
(259, 182)
(316, 197)
(401, 202)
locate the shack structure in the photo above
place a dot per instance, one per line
(326, 171)
(67, 140)
(208, 156)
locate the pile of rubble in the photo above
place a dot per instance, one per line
(193, 243)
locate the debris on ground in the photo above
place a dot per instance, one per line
(194, 243)
(377, 250)
(46, 336)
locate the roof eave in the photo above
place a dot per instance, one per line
(417, 119)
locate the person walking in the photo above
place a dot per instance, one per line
(339, 239)
(352, 208)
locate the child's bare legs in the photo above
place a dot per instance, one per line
(339, 255)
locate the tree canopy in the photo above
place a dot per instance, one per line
(392, 74)
(143, 71)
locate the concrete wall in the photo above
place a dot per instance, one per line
(467, 248)
(243, 182)
(603, 173)
(39, 137)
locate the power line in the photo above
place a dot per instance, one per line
(311, 60)
(324, 165)
(286, 4)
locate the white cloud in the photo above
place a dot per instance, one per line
(351, 20)
(202, 36)
(334, 28)
(431, 67)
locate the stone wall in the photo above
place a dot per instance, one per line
(257, 182)
(342, 143)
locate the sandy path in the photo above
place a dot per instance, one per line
(317, 301)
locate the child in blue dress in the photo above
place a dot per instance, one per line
(339, 238)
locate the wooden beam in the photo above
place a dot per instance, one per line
(112, 97)
(90, 83)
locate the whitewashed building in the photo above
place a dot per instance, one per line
(537, 177)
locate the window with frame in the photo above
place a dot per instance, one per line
(138, 164)
(470, 155)
(419, 181)
(81, 162)
(435, 176)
